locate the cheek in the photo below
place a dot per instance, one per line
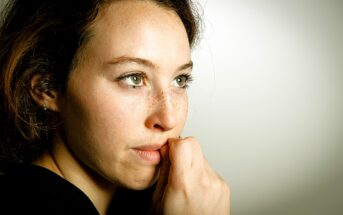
(181, 108)
(108, 117)
(100, 125)
(120, 119)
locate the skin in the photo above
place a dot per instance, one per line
(107, 114)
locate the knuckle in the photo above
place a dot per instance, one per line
(191, 142)
(219, 184)
(207, 184)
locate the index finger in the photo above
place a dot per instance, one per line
(184, 154)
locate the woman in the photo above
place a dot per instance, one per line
(93, 100)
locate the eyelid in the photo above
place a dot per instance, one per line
(127, 75)
(188, 76)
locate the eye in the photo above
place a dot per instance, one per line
(182, 81)
(133, 80)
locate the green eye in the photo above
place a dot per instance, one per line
(182, 81)
(133, 80)
(136, 79)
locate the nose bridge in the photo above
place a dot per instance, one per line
(162, 96)
(163, 99)
(163, 109)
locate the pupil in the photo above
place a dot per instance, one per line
(180, 81)
(135, 79)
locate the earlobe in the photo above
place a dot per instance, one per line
(42, 94)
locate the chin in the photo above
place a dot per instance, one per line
(142, 181)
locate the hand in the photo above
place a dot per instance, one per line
(187, 184)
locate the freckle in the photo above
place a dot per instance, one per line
(150, 99)
(157, 99)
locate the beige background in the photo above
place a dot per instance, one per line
(267, 103)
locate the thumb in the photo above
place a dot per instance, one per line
(162, 180)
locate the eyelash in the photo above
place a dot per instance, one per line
(189, 79)
(143, 76)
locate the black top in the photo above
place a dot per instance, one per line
(30, 189)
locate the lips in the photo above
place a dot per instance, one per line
(149, 147)
(149, 154)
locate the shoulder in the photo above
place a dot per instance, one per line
(30, 189)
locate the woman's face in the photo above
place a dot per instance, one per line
(127, 95)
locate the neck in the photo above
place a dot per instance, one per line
(63, 162)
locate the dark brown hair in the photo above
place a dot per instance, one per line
(44, 37)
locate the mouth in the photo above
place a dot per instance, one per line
(149, 153)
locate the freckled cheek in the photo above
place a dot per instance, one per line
(96, 115)
(185, 108)
(180, 104)
(118, 115)
(123, 113)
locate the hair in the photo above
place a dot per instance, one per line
(45, 37)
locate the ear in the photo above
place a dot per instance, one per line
(42, 94)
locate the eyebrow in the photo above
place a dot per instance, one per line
(145, 62)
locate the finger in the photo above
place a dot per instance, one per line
(162, 180)
(197, 155)
(180, 155)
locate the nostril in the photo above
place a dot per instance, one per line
(157, 126)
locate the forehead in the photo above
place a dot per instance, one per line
(140, 29)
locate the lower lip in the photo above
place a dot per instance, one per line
(150, 156)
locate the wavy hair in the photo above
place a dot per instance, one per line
(45, 38)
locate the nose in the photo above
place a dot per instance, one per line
(163, 116)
